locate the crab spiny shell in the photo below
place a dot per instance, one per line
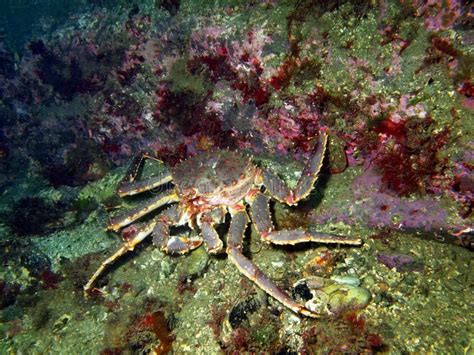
(220, 177)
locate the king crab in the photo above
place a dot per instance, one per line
(206, 188)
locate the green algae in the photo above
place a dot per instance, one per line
(182, 81)
(102, 189)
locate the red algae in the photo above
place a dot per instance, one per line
(284, 74)
(49, 280)
(347, 333)
(467, 90)
(391, 128)
(112, 351)
(357, 321)
(156, 323)
(407, 154)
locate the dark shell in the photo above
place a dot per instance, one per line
(211, 171)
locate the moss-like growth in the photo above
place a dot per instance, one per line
(182, 81)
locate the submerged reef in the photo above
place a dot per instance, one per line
(390, 81)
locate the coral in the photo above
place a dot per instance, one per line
(7, 65)
(172, 6)
(76, 73)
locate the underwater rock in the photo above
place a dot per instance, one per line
(34, 216)
(328, 297)
(346, 280)
(399, 262)
(194, 264)
(9, 293)
(322, 264)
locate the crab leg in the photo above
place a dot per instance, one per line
(172, 244)
(129, 216)
(128, 186)
(234, 250)
(128, 245)
(212, 241)
(136, 163)
(260, 213)
(280, 191)
(214, 244)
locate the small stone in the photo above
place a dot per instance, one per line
(329, 297)
(399, 262)
(369, 281)
(346, 280)
(346, 296)
(194, 263)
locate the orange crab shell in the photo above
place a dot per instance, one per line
(218, 178)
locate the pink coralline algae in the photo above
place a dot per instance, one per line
(402, 142)
(439, 14)
(242, 117)
(283, 128)
(399, 262)
(382, 210)
(138, 93)
(467, 90)
(462, 189)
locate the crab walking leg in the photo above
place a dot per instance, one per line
(131, 215)
(295, 236)
(128, 186)
(234, 250)
(214, 244)
(280, 191)
(311, 170)
(128, 245)
(276, 186)
(135, 165)
(260, 213)
(132, 188)
(171, 244)
(212, 241)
